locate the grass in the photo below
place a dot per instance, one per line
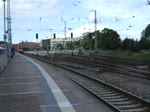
(145, 56)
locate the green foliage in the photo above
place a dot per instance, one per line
(123, 54)
(87, 41)
(59, 46)
(125, 44)
(146, 33)
(77, 44)
(107, 39)
(130, 44)
(110, 39)
(145, 38)
(145, 43)
(2, 42)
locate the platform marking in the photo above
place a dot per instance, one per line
(58, 81)
(20, 77)
(61, 99)
(22, 93)
(44, 106)
(58, 90)
(12, 84)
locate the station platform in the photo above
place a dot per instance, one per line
(29, 85)
(26, 87)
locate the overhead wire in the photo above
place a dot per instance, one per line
(117, 17)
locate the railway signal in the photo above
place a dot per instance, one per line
(37, 42)
(36, 35)
(72, 43)
(54, 36)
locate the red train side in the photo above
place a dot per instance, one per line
(20, 49)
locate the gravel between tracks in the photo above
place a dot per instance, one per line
(136, 86)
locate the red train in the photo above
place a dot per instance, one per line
(20, 49)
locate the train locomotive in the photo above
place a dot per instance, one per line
(20, 49)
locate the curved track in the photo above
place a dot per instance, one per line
(133, 72)
(116, 98)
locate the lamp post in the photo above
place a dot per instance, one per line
(50, 45)
(64, 34)
(51, 31)
(26, 34)
(5, 31)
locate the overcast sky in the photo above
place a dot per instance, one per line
(46, 17)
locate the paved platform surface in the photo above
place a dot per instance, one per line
(29, 85)
(26, 87)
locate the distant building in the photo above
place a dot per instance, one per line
(45, 43)
(25, 45)
(28, 45)
(53, 43)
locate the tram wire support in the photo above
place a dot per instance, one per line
(5, 37)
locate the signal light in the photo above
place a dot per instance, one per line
(71, 35)
(54, 35)
(36, 35)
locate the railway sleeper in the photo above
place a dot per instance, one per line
(128, 106)
(103, 90)
(115, 100)
(122, 102)
(109, 92)
(100, 89)
(132, 107)
(143, 109)
(108, 95)
(112, 97)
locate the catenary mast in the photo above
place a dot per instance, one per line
(9, 28)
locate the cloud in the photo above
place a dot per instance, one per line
(26, 14)
(86, 28)
(79, 31)
(30, 8)
(129, 34)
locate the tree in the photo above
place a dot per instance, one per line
(87, 41)
(110, 39)
(59, 46)
(125, 44)
(107, 39)
(77, 44)
(130, 44)
(2, 42)
(145, 38)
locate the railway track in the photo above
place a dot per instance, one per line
(107, 60)
(129, 61)
(110, 67)
(116, 98)
(116, 60)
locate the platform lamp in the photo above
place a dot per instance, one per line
(5, 30)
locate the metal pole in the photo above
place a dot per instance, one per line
(64, 33)
(96, 40)
(5, 33)
(37, 43)
(72, 43)
(9, 29)
(4, 19)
